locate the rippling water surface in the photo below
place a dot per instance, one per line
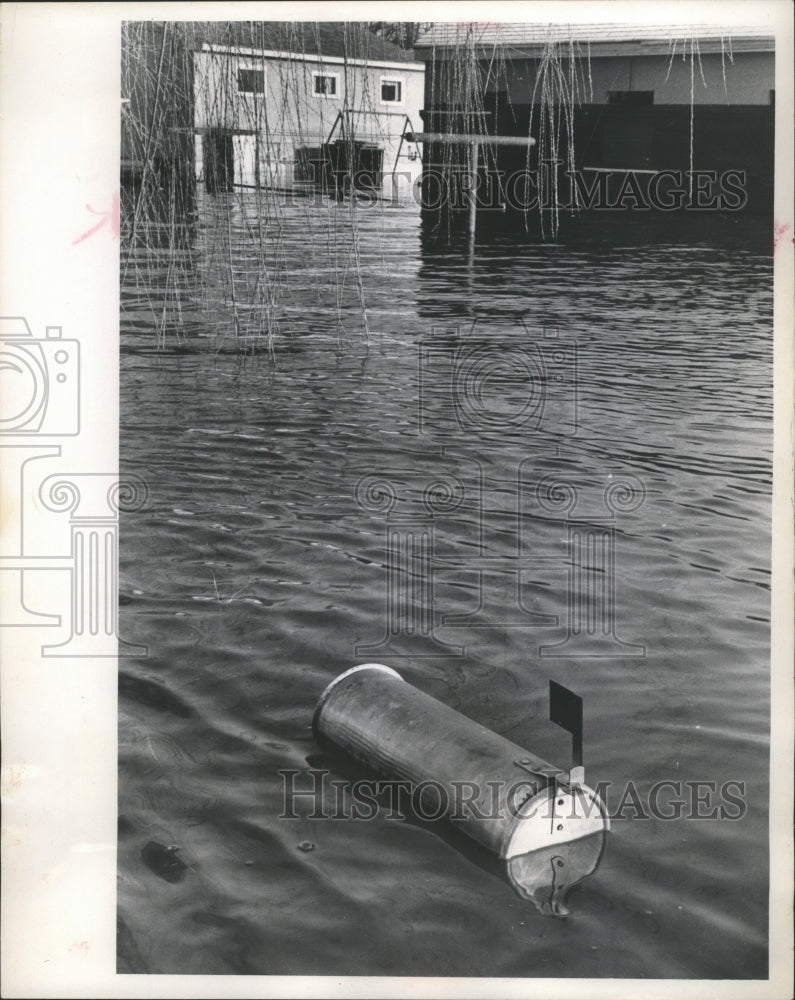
(623, 387)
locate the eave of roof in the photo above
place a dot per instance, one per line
(320, 59)
(518, 40)
(335, 39)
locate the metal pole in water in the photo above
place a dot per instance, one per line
(474, 151)
(504, 797)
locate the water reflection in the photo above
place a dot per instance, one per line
(547, 877)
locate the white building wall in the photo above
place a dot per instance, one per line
(289, 114)
(748, 79)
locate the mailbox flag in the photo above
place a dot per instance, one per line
(565, 709)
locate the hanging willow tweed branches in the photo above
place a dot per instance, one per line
(231, 259)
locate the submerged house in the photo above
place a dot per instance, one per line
(285, 104)
(621, 116)
(266, 104)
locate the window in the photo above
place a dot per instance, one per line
(630, 97)
(311, 163)
(251, 81)
(391, 91)
(325, 84)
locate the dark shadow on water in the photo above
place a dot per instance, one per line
(608, 228)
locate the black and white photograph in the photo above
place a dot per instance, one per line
(397, 541)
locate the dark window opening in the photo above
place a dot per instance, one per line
(391, 91)
(219, 161)
(251, 81)
(630, 97)
(310, 164)
(773, 98)
(325, 85)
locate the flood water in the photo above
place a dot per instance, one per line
(507, 396)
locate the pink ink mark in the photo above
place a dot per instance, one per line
(111, 217)
(79, 948)
(780, 231)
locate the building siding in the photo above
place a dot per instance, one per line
(692, 110)
(288, 116)
(746, 80)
